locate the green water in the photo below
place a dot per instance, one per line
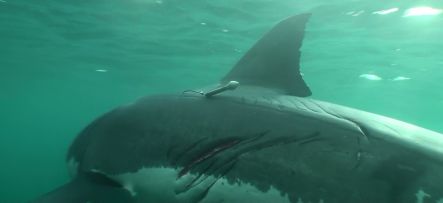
(63, 63)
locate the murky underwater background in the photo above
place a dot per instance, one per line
(63, 63)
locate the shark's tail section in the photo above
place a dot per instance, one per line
(91, 187)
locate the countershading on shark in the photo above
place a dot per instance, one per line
(265, 141)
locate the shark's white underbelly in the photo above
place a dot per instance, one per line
(162, 185)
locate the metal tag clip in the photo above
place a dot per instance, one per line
(231, 85)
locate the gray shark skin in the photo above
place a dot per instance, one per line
(263, 142)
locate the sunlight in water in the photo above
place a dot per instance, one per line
(355, 13)
(422, 11)
(370, 77)
(385, 12)
(399, 78)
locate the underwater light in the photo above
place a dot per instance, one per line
(400, 78)
(422, 11)
(370, 77)
(385, 12)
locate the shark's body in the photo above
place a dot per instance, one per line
(263, 142)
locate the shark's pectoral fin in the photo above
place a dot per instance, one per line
(91, 187)
(273, 62)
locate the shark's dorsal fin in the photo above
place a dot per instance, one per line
(274, 61)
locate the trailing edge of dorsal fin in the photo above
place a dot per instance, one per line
(274, 61)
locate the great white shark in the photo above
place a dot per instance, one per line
(264, 141)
